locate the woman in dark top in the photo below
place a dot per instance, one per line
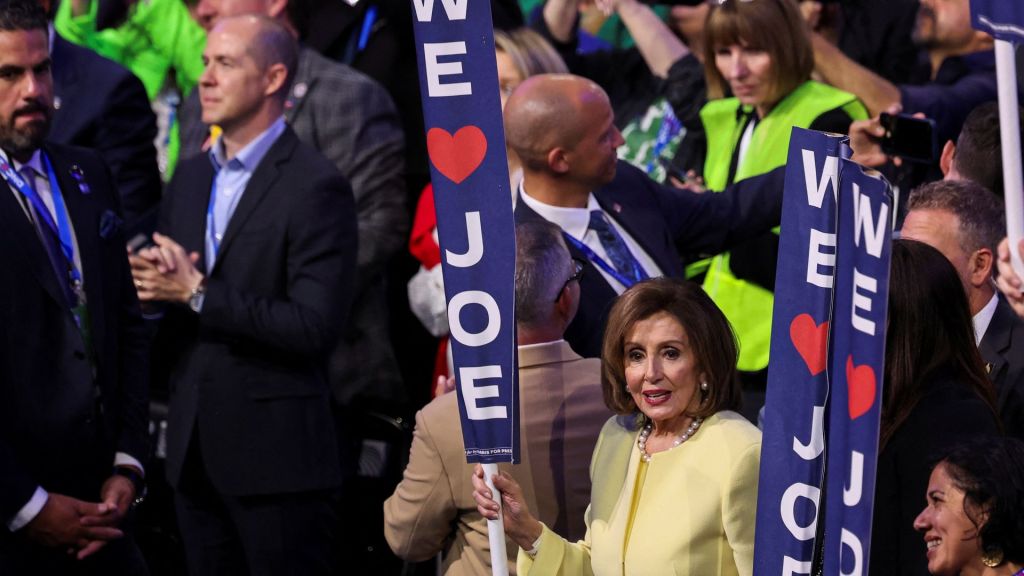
(935, 394)
(973, 524)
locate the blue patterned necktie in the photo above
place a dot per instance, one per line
(621, 258)
(49, 238)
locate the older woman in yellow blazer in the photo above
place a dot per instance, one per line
(674, 475)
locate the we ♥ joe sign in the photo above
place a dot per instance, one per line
(823, 401)
(475, 226)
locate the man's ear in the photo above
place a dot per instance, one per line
(981, 263)
(276, 75)
(558, 161)
(946, 159)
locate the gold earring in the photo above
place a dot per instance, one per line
(992, 557)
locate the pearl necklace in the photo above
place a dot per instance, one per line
(641, 440)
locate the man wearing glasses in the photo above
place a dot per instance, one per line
(561, 413)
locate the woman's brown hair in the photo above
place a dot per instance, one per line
(774, 26)
(709, 333)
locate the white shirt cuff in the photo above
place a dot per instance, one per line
(29, 511)
(125, 459)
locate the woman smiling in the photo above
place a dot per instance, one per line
(676, 455)
(973, 524)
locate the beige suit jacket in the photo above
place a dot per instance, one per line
(561, 415)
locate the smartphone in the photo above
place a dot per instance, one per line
(912, 139)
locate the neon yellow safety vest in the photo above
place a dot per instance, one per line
(749, 306)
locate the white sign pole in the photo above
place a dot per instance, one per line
(495, 528)
(1009, 129)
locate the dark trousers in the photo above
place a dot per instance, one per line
(276, 534)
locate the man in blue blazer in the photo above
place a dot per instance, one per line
(73, 347)
(622, 224)
(255, 258)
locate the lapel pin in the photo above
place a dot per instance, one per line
(300, 90)
(617, 207)
(56, 102)
(79, 177)
(988, 367)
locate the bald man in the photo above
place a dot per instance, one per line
(623, 225)
(256, 259)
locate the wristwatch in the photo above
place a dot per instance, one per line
(137, 481)
(195, 301)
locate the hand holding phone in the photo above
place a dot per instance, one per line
(912, 139)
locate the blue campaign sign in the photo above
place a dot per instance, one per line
(1003, 19)
(469, 172)
(856, 359)
(791, 451)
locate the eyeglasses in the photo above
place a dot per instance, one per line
(578, 268)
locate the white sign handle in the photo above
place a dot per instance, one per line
(495, 528)
(1009, 130)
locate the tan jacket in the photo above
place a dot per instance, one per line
(561, 415)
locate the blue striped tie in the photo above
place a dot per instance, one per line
(621, 258)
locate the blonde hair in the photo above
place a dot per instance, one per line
(530, 52)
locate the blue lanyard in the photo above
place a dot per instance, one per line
(211, 229)
(62, 227)
(599, 262)
(364, 33)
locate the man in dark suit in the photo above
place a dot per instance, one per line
(622, 224)
(350, 119)
(255, 258)
(73, 354)
(965, 222)
(99, 104)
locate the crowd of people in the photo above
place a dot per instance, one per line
(222, 279)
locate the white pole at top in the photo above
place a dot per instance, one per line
(1009, 130)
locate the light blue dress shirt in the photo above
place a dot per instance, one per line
(231, 178)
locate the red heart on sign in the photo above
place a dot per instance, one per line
(810, 340)
(860, 382)
(456, 156)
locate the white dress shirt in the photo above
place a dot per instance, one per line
(983, 318)
(576, 223)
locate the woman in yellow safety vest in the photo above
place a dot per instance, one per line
(758, 51)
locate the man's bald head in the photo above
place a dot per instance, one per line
(549, 111)
(269, 43)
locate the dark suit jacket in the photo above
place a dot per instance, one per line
(53, 431)
(349, 119)
(948, 412)
(666, 222)
(103, 106)
(1002, 348)
(249, 371)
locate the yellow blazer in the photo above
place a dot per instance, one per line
(695, 515)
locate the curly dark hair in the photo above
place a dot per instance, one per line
(990, 471)
(22, 15)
